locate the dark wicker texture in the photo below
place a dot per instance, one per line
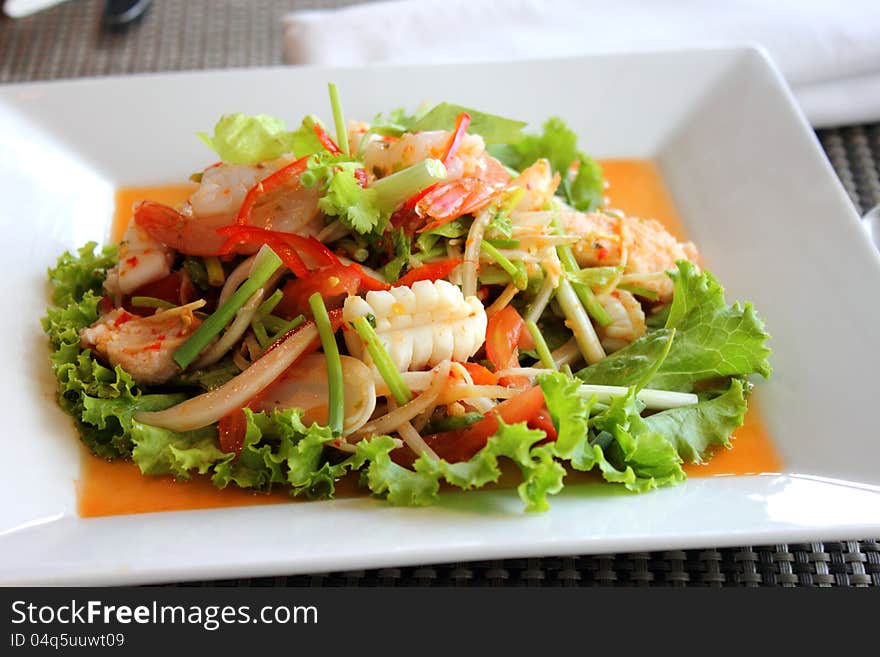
(67, 42)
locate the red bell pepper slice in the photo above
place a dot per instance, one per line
(326, 141)
(284, 244)
(505, 333)
(268, 185)
(429, 272)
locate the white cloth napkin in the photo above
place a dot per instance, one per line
(828, 51)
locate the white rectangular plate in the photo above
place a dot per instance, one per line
(754, 189)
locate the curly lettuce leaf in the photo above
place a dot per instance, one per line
(305, 141)
(159, 451)
(385, 478)
(242, 139)
(419, 486)
(280, 449)
(492, 128)
(112, 417)
(74, 275)
(82, 381)
(558, 144)
(712, 339)
(617, 441)
(640, 459)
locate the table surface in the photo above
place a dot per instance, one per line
(68, 42)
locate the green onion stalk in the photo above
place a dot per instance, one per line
(583, 292)
(541, 346)
(517, 275)
(336, 389)
(151, 302)
(399, 390)
(393, 190)
(265, 265)
(341, 132)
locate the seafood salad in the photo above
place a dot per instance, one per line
(418, 301)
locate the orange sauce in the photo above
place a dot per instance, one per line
(117, 487)
(126, 197)
(637, 188)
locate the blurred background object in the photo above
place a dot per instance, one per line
(120, 13)
(828, 51)
(21, 8)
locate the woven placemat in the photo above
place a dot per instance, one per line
(67, 42)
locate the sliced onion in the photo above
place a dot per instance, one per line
(503, 299)
(539, 304)
(456, 393)
(472, 254)
(530, 372)
(415, 442)
(415, 381)
(236, 278)
(567, 353)
(407, 412)
(304, 385)
(367, 270)
(233, 333)
(209, 407)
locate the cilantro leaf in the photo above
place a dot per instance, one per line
(355, 206)
(343, 196)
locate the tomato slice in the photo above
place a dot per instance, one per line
(482, 376)
(544, 422)
(430, 272)
(504, 336)
(334, 283)
(231, 431)
(462, 444)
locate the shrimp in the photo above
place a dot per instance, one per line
(142, 260)
(223, 187)
(627, 320)
(143, 346)
(642, 246)
(473, 177)
(539, 184)
(382, 158)
(356, 131)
